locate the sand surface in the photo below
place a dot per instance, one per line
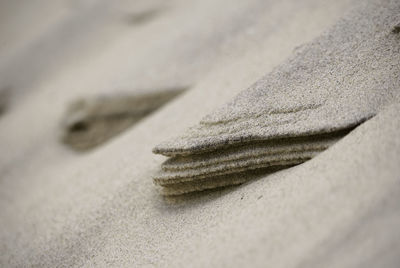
(59, 208)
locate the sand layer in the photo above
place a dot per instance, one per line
(59, 208)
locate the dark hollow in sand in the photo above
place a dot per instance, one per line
(91, 122)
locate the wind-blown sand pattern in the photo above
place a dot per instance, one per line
(324, 88)
(340, 208)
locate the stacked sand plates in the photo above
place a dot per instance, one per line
(184, 173)
(328, 87)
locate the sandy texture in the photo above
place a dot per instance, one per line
(234, 166)
(92, 121)
(174, 190)
(243, 152)
(61, 209)
(334, 83)
(337, 81)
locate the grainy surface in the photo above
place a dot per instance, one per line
(90, 122)
(339, 80)
(60, 209)
(334, 83)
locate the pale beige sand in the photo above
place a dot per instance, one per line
(102, 209)
(91, 122)
(319, 213)
(35, 47)
(261, 48)
(168, 177)
(339, 80)
(174, 190)
(186, 163)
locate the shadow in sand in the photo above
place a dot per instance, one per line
(216, 192)
(141, 17)
(4, 99)
(91, 122)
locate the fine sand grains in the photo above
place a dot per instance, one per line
(342, 78)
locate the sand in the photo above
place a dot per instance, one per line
(334, 83)
(90, 122)
(60, 208)
(337, 81)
